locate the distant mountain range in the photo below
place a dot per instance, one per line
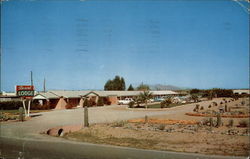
(165, 87)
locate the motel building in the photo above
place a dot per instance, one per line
(63, 99)
(241, 91)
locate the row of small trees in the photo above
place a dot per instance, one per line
(211, 93)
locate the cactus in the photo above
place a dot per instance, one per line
(211, 121)
(225, 108)
(146, 119)
(86, 117)
(219, 123)
(230, 123)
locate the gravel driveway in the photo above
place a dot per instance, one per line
(46, 120)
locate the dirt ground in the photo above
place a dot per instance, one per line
(180, 138)
(174, 132)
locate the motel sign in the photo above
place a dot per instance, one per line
(25, 91)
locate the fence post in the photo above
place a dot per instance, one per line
(86, 117)
(21, 117)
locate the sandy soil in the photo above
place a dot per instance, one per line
(180, 138)
(174, 136)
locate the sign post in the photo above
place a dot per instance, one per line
(26, 92)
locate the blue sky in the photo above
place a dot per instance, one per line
(80, 45)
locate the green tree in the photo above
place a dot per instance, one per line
(194, 91)
(118, 83)
(122, 83)
(145, 96)
(130, 88)
(143, 87)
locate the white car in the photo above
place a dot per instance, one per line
(125, 101)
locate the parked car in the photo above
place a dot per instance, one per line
(125, 101)
(159, 99)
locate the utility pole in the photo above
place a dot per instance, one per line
(31, 78)
(44, 85)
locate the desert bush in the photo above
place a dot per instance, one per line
(10, 105)
(100, 102)
(209, 106)
(163, 104)
(202, 108)
(119, 124)
(194, 109)
(161, 127)
(243, 103)
(131, 104)
(205, 121)
(197, 106)
(230, 123)
(244, 123)
(221, 103)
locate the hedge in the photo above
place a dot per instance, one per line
(10, 105)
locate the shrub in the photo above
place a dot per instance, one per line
(194, 109)
(119, 124)
(243, 123)
(221, 103)
(215, 104)
(163, 104)
(209, 106)
(131, 104)
(197, 106)
(202, 108)
(100, 102)
(161, 127)
(10, 105)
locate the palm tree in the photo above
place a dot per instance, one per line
(194, 97)
(145, 96)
